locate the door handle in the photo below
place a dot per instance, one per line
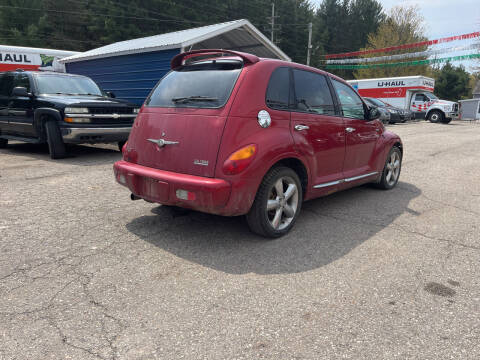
(350, 129)
(301, 127)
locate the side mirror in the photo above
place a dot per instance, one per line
(21, 92)
(373, 113)
(110, 94)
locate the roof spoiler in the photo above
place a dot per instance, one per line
(178, 60)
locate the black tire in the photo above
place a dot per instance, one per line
(56, 146)
(3, 143)
(446, 120)
(386, 182)
(436, 116)
(258, 218)
(120, 145)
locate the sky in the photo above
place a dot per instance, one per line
(445, 18)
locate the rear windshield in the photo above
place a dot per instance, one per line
(201, 85)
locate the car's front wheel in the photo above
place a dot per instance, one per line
(3, 143)
(120, 145)
(391, 170)
(435, 116)
(277, 203)
(56, 146)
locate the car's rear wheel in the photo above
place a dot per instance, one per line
(391, 170)
(277, 203)
(3, 143)
(56, 146)
(435, 116)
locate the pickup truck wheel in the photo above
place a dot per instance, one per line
(391, 170)
(435, 116)
(277, 203)
(56, 146)
(3, 143)
(120, 145)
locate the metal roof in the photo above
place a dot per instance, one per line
(234, 35)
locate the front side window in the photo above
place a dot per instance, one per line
(66, 85)
(350, 102)
(206, 84)
(278, 91)
(21, 80)
(6, 84)
(312, 93)
(420, 97)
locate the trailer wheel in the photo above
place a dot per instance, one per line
(435, 116)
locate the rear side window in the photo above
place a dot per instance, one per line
(278, 91)
(312, 93)
(200, 85)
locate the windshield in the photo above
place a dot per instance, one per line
(375, 102)
(201, 85)
(431, 96)
(67, 85)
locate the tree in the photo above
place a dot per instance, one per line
(403, 25)
(452, 83)
(344, 26)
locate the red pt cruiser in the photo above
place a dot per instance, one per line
(237, 134)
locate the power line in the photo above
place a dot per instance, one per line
(95, 14)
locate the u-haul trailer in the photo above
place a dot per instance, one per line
(27, 58)
(413, 93)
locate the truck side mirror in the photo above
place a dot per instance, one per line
(20, 91)
(110, 94)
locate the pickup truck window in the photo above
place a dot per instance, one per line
(66, 85)
(22, 80)
(6, 84)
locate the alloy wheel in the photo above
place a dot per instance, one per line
(393, 168)
(282, 203)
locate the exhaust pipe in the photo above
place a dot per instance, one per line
(134, 197)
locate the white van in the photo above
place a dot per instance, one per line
(414, 93)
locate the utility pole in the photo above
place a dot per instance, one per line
(273, 26)
(273, 22)
(309, 48)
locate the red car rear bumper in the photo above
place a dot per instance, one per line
(209, 195)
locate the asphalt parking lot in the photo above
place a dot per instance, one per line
(86, 273)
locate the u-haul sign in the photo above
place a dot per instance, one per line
(392, 87)
(12, 58)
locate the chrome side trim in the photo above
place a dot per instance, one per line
(361, 176)
(331, 183)
(328, 184)
(101, 116)
(20, 122)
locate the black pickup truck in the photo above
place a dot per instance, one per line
(57, 108)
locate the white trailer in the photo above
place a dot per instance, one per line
(414, 93)
(27, 58)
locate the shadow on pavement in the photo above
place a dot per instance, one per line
(84, 155)
(327, 229)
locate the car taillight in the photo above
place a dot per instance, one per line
(239, 160)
